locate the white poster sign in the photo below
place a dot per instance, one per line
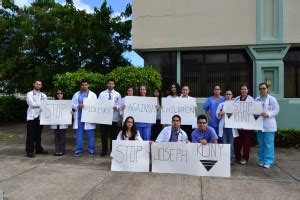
(142, 109)
(209, 160)
(243, 114)
(98, 111)
(184, 107)
(56, 112)
(192, 159)
(130, 156)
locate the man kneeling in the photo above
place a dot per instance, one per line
(204, 134)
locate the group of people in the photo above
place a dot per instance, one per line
(210, 127)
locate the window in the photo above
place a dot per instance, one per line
(292, 73)
(201, 70)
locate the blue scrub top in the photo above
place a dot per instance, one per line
(211, 106)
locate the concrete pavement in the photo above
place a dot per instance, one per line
(67, 177)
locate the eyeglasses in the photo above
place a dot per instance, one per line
(175, 120)
(217, 89)
(262, 88)
(59, 93)
(201, 122)
(129, 122)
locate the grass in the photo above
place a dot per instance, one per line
(10, 137)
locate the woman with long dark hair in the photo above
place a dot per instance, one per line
(157, 127)
(174, 91)
(129, 131)
(59, 130)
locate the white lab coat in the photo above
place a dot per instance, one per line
(271, 107)
(116, 97)
(137, 136)
(222, 122)
(34, 100)
(165, 135)
(169, 96)
(87, 126)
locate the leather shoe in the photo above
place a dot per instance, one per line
(30, 155)
(42, 152)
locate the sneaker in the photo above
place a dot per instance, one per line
(91, 154)
(77, 154)
(267, 166)
(260, 164)
(243, 162)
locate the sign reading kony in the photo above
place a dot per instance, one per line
(193, 159)
(243, 114)
(97, 111)
(56, 112)
(142, 109)
(184, 107)
(130, 156)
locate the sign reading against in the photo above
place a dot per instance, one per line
(184, 107)
(56, 112)
(97, 111)
(142, 109)
(130, 156)
(243, 114)
(193, 159)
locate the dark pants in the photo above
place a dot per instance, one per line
(243, 141)
(106, 131)
(156, 129)
(60, 140)
(33, 139)
(188, 129)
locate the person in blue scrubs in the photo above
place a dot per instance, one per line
(144, 128)
(210, 107)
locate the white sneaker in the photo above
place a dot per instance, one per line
(267, 166)
(260, 164)
(243, 162)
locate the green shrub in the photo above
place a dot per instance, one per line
(286, 138)
(70, 82)
(133, 76)
(124, 76)
(12, 109)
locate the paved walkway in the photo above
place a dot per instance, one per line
(48, 177)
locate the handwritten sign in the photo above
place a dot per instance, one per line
(243, 114)
(184, 107)
(98, 111)
(192, 159)
(56, 112)
(130, 156)
(142, 109)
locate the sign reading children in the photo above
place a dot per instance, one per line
(56, 112)
(142, 109)
(243, 114)
(184, 107)
(130, 156)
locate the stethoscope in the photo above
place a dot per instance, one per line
(36, 94)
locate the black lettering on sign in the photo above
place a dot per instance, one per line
(213, 151)
(128, 154)
(54, 110)
(173, 155)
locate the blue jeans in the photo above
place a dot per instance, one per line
(265, 147)
(145, 130)
(80, 138)
(228, 139)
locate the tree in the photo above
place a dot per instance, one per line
(46, 38)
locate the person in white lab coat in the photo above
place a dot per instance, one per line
(77, 106)
(173, 133)
(105, 129)
(34, 99)
(266, 136)
(59, 130)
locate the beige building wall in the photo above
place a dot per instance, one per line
(193, 23)
(291, 21)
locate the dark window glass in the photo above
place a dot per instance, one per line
(201, 70)
(292, 73)
(165, 63)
